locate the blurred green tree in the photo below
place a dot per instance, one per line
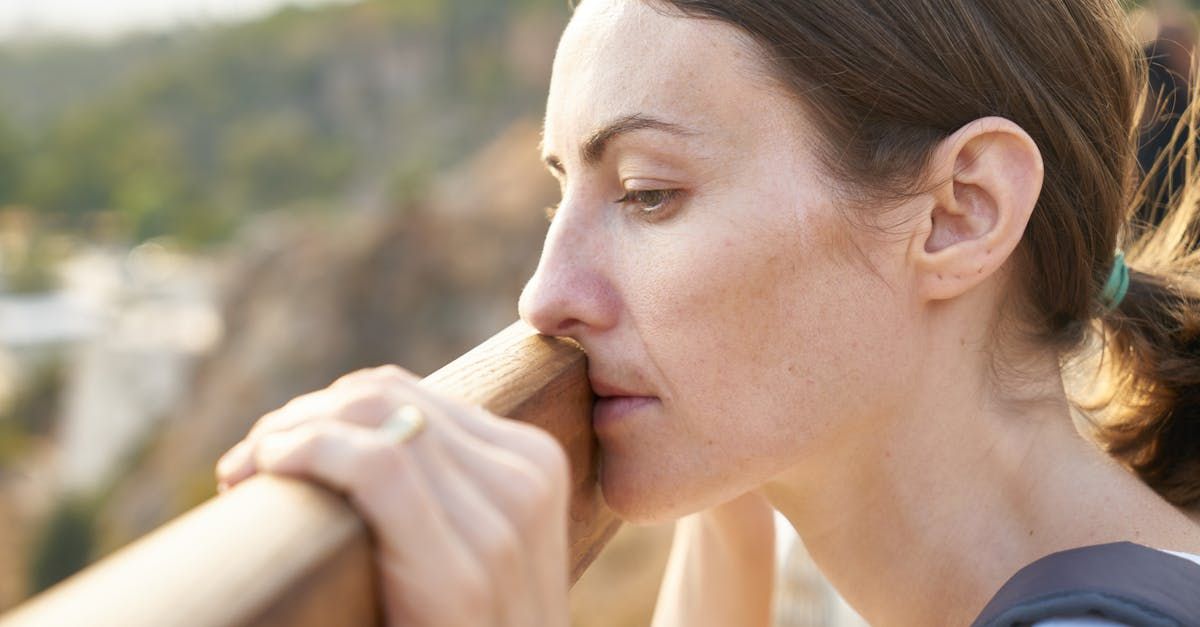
(64, 545)
(298, 110)
(12, 155)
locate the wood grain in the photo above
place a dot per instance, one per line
(276, 551)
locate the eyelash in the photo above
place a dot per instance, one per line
(664, 196)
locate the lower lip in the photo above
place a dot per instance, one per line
(613, 409)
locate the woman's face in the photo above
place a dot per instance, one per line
(741, 298)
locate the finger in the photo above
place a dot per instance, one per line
(378, 477)
(504, 475)
(385, 373)
(237, 463)
(529, 441)
(357, 401)
(518, 489)
(481, 520)
(293, 412)
(524, 446)
(232, 465)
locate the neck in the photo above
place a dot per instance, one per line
(954, 490)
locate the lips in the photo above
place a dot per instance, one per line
(614, 403)
(605, 389)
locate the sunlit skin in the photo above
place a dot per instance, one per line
(843, 372)
(699, 303)
(790, 348)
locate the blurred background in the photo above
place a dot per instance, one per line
(208, 207)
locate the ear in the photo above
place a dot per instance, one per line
(987, 178)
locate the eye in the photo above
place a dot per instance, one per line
(652, 201)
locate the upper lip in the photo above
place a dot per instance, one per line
(603, 388)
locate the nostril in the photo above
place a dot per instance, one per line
(564, 327)
(548, 322)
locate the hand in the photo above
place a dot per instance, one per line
(469, 517)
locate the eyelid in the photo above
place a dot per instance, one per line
(666, 205)
(669, 196)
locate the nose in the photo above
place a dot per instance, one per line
(569, 293)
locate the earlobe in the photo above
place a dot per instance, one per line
(987, 179)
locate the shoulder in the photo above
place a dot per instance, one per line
(1120, 583)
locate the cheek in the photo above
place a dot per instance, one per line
(742, 309)
(733, 324)
(760, 343)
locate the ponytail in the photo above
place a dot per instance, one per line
(1150, 355)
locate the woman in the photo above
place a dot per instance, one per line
(826, 255)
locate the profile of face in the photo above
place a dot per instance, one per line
(699, 255)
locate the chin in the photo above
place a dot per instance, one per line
(639, 498)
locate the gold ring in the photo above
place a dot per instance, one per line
(403, 424)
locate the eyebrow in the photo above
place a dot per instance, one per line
(592, 151)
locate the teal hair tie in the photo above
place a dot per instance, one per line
(1117, 285)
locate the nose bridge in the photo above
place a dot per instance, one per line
(568, 288)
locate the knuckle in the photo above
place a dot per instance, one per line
(534, 509)
(267, 422)
(372, 468)
(275, 447)
(364, 404)
(353, 377)
(530, 497)
(549, 455)
(500, 547)
(394, 371)
(387, 372)
(475, 592)
(299, 402)
(308, 445)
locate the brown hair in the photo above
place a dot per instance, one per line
(886, 81)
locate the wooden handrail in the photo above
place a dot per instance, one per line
(279, 551)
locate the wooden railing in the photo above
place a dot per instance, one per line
(276, 551)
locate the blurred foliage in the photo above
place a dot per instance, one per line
(12, 149)
(14, 443)
(308, 108)
(29, 265)
(64, 543)
(34, 406)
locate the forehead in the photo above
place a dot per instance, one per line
(625, 57)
